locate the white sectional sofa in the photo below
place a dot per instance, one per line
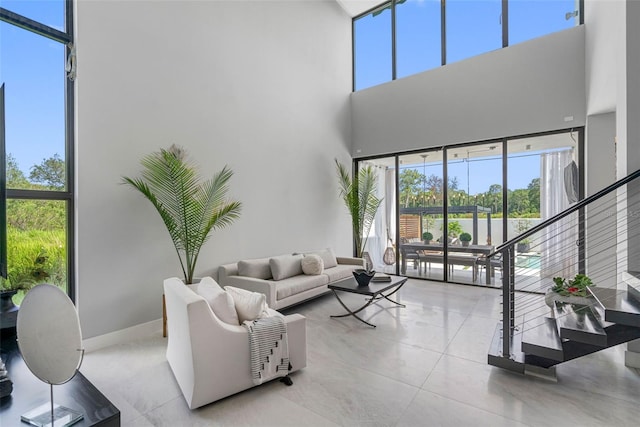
(281, 278)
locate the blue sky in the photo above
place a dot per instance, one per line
(32, 69)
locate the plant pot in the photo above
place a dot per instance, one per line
(363, 277)
(8, 310)
(550, 297)
(465, 243)
(523, 247)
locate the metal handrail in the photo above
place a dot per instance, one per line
(579, 205)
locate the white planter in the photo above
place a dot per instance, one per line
(551, 296)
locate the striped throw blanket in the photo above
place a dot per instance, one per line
(269, 348)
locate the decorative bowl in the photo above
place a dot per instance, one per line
(363, 277)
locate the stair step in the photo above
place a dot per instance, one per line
(579, 325)
(618, 305)
(516, 361)
(542, 340)
(632, 279)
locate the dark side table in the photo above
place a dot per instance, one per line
(29, 392)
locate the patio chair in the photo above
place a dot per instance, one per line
(495, 262)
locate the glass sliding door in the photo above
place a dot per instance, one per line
(542, 183)
(380, 242)
(474, 210)
(494, 192)
(420, 200)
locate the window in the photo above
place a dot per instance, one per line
(404, 37)
(473, 28)
(47, 12)
(529, 19)
(372, 48)
(418, 36)
(473, 196)
(36, 144)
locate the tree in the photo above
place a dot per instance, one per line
(410, 180)
(518, 201)
(51, 172)
(534, 195)
(15, 177)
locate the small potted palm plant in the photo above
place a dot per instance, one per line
(189, 207)
(360, 197)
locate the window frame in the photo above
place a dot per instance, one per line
(67, 195)
(443, 26)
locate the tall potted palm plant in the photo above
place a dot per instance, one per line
(359, 196)
(189, 207)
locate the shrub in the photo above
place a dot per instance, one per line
(34, 257)
(427, 236)
(465, 237)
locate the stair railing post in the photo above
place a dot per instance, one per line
(508, 300)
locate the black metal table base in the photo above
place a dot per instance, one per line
(372, 300)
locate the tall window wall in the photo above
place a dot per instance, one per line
(37, 151)
(447, 208)
(404, 37)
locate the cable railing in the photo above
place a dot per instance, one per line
(590, 237)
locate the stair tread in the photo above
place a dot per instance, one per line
(542, 340)
(632, 279)
(581, 325)
(619, 306)
(631, 276)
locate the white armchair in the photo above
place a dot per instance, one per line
(210, 358)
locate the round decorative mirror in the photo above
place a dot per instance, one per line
(50, 341)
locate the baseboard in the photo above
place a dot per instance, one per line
(123, 336)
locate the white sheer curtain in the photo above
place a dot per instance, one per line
(378, 240)
(559, 253)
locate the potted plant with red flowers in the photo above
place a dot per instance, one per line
(573, 291)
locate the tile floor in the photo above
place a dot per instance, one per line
(424, 365)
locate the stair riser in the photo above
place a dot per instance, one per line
(584, 337)
(547, 353)
(581, 326)
(634, 292)
(622, 318)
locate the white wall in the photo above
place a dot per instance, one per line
(602, 49)
(526, 88)
(261, 86)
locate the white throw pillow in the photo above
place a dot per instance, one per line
(257, 268)
(285, 266)
(312, 264)
(220, 302)
(249, 305)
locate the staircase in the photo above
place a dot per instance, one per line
(592, 237)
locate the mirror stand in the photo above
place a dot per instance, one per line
(51, 415)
